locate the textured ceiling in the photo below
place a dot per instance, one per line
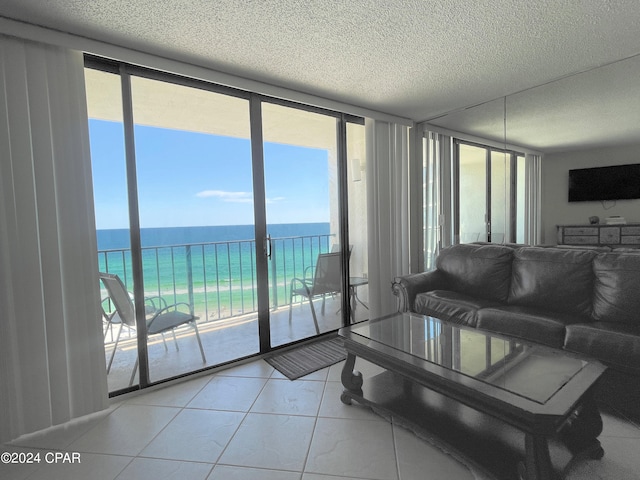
(415, 59)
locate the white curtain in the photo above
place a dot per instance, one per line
(438, 211)
(388, 210)
(533, 196)
(52, 365)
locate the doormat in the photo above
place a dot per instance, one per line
(308, 358)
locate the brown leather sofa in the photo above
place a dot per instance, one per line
(582, 300)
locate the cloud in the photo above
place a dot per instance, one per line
(234, 197)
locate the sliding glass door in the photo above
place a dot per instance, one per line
(484, 193)
(303, 222)
(229, 208)
(195, 202)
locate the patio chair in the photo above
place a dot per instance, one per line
(326, 280)
(335, 248)
(160, 317)
(110, 318)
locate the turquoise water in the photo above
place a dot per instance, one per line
(213, 268)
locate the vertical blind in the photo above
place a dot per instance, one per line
(387, 211)
(51, 356)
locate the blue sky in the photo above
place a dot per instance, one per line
(194, 179)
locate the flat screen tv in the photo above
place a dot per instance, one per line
(618, 182)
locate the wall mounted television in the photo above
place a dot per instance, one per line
(617, 182)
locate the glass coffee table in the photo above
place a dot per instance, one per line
(514, 408)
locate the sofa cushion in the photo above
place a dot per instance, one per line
(451, 306)
(482, 271)
(559, 280)
(614, 343)
(617, 288)
(534, 324)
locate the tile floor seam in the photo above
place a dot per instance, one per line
(266, 469)
(313, 432)
(213, 375)
(394, 436)
(235, 432)
(131, 459)
(183, 460)
(203, 409)
(123, 468)
(211, 465)
(294, 414)
(43, 466)
(180, 409)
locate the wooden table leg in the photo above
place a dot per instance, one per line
(582, 428)
(351, 380)
(537, 464)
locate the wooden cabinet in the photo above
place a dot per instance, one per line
(610, 235)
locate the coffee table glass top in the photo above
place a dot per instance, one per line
(530, 371)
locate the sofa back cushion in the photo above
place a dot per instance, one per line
(482, 271)
(554, 279)
(617, 288)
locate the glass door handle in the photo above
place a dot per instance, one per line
(267, 247)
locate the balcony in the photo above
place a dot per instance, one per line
(218, 280)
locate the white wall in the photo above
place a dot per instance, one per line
(556, 210)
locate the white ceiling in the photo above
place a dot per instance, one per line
(411, 58)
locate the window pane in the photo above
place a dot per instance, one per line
(473, 193)
(302, 203)
(520, 199)
(500, 196)
(106, 135)
(195, 194)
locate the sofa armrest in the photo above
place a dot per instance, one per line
(408, 286)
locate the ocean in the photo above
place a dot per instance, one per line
(213, 268)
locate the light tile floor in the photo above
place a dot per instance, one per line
(249, 422)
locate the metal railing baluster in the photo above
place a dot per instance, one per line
(289, 255)
(189, 279)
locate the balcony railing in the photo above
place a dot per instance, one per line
(218, 279)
